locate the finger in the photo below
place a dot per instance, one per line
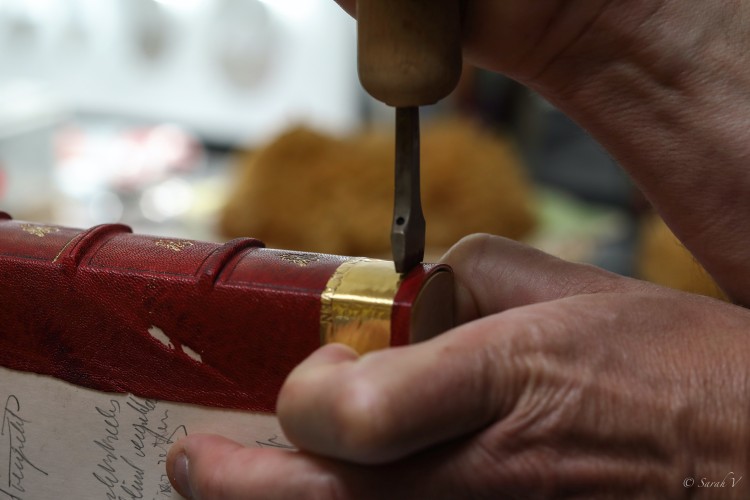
(388, 404)
(494, 274)
(203, 467)
(331, 354)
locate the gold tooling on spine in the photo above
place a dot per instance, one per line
(356, 305)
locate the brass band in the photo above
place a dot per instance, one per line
(356, 304)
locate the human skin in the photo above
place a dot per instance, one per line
(661, 84)
(563, 380)
(574, 383)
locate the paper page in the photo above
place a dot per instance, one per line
(61, 441)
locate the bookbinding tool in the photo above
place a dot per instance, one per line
(409, 55)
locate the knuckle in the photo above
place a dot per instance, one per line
(475, 239)
(470, 245)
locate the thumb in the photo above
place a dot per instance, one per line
(494, 274)
(202, 467)
(389, 404)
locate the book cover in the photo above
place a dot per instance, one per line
(113, 345)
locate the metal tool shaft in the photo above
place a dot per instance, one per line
(408, 230)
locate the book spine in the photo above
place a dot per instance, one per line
(182, 320)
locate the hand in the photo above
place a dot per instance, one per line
(537, 44)
(573, 382)
(661, 84)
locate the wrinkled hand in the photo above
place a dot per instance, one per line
(661, 84)
(570, 382)
(552, 43)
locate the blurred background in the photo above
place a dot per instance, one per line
(126, 109)
(212, 119)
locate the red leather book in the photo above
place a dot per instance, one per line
(195, 322)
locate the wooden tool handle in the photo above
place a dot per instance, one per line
(409, 51)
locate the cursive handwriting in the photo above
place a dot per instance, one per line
(141, 427)
(106, 469)
(163, 438)
(125, 467)
(15, 426)
(134, 488)
(9, 495)
(275, 442)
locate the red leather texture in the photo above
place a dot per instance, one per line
(121, 312)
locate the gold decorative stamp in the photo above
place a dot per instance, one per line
(301, 259)
(174, 245)
(357, 304)
(40, 231)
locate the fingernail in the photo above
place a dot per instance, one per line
(181, 477)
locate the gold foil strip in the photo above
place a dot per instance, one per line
(356, 305)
